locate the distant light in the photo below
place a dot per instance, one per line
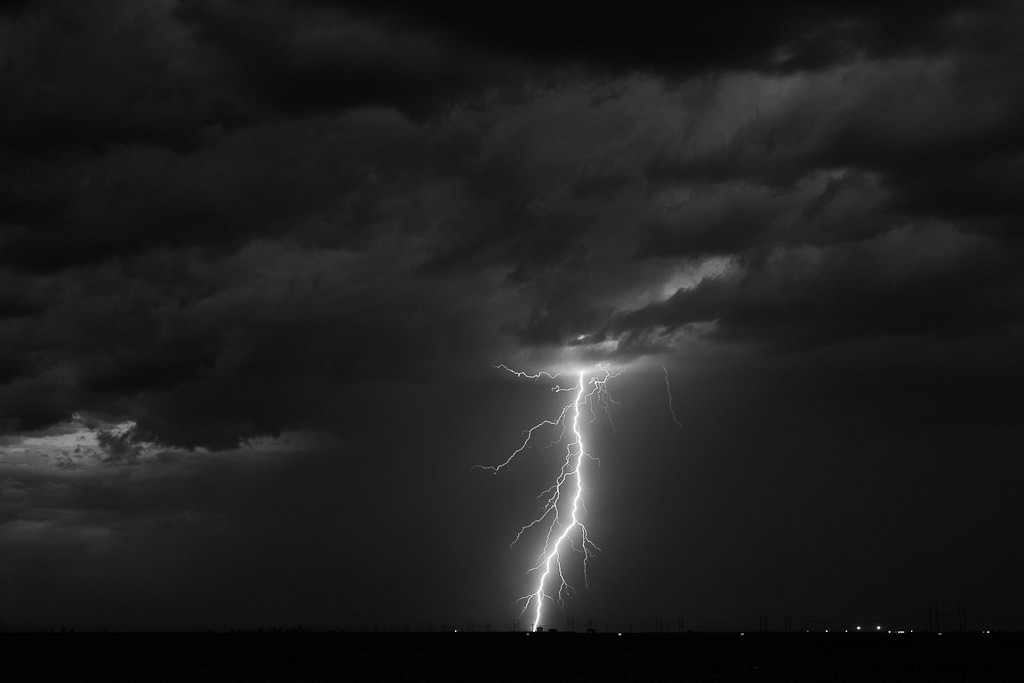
(620, 634)
(858, 628)
(742, 634)
(940, 634)
(826, 630)
(878, 628)
(456, 630)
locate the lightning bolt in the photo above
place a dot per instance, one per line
(566, 528)
(668, 389)
(565, 525)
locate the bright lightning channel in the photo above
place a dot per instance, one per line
(566, 527)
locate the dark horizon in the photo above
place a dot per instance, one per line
(958, 621)
(537, 657)
(261, 262)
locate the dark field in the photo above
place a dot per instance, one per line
(511, 657)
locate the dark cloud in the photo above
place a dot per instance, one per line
(319, 57)
(137, 199)
(225, 223)
(700, 37)
(31, 402)
(18, 298)
(79, 78)
(120, 447)
(923, 281)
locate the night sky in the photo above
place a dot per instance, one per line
(259, 259)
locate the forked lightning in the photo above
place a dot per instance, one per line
(566, 527)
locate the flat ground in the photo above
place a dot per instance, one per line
(511, 657)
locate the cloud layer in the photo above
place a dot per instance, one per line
(227, 221)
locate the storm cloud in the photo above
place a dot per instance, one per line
(225, 222)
